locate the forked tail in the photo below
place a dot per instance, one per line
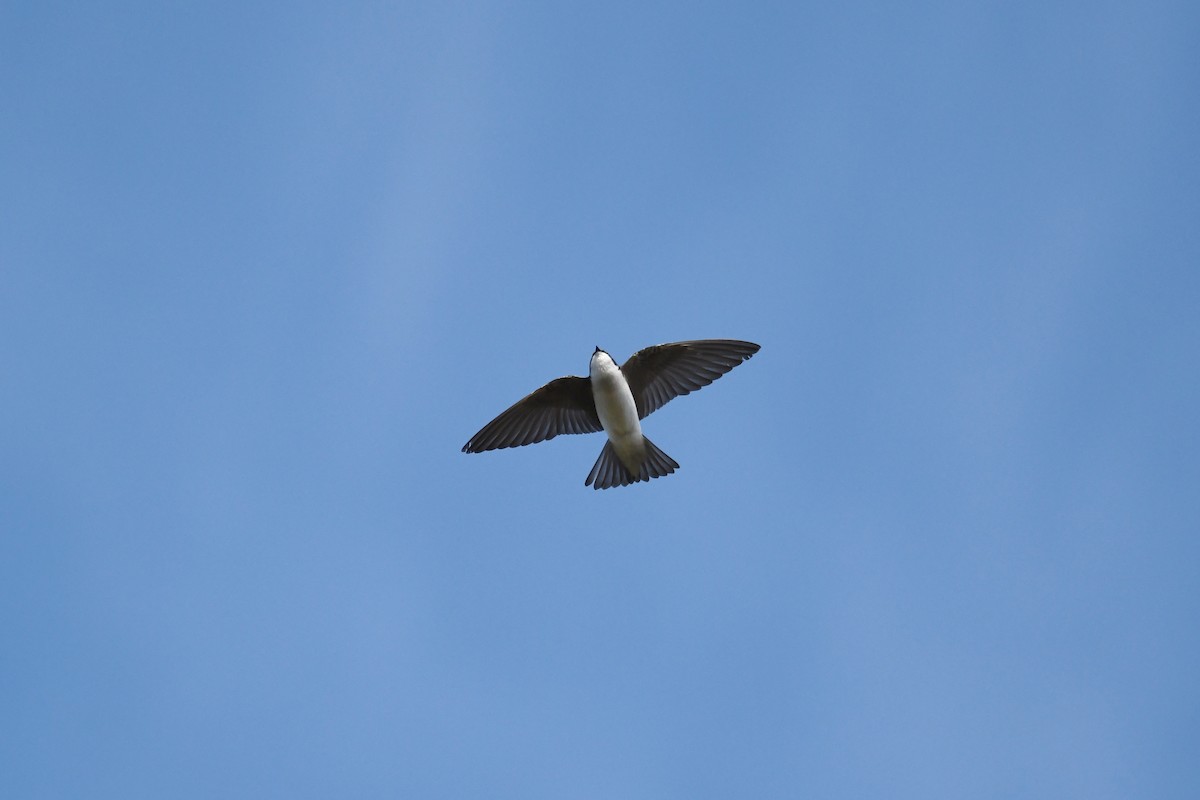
(608, 470)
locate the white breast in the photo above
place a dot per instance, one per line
(614, 401)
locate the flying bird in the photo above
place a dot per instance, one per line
(615, 399)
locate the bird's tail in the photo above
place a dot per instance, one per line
(608, 470)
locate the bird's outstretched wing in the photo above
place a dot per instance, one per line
(564, 405)
(663, 372)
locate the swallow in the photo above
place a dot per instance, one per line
(615, 399)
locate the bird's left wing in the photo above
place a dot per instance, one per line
(564, 405)
(663, 372)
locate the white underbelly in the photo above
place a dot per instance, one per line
(615, 407)
(617, 411)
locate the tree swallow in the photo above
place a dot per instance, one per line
(615, 399)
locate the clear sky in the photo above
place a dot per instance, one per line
(264, 268)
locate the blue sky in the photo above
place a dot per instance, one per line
(266, 267)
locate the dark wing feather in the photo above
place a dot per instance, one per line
(663, 372)
(564, 405)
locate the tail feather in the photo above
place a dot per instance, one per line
(608, 471)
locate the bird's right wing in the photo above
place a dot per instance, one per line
(663, 372)
(564, 405)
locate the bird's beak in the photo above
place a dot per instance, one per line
(597, 350)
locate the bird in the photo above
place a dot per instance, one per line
(615, 399)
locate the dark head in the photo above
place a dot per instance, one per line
(597, 350)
